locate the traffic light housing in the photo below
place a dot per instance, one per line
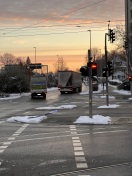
(125, 44)
(130, 78)
(84, 70)
(111, 35)
(110, 68)
(93, 66)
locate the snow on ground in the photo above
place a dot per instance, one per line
(124, 92)
(100, 88)
(27, 119)
(96, 119)
(58, 107)
(110, 106)
(15, 96)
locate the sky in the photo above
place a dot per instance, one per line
(96, 119)
(57, 28)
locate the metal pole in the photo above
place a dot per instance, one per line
(35, 54)
(106, 59)
(90, 80)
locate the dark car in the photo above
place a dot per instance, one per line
(125, 85)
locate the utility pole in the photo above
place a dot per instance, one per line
(106, 60)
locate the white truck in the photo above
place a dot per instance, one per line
(69, 81)
(38, 86)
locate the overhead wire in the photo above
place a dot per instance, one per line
(86, 6)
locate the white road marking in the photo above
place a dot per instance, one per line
(7, 143)
(73, 132)
(80, 153)
(78, 150)
(75, 138)
(53, 137)
(76, 141)
(16, 134)
(11, 139)
(2, 121)
(3, 147)
(1, 151)
(77, 144)
(82, 165)
(80, 159)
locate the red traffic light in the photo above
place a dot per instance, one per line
(130, 78)
(92, 65)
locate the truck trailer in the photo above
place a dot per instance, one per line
(69, 82)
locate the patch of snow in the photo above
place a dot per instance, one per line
(124, 92)
(110, 106)
(58, 107)
(96, 119)
(27, 119)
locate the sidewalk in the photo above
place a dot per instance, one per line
(123, 113)
(121, 120)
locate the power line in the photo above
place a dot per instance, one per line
(53, 33)
(56, 16)
(63, 25)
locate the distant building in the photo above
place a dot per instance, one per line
(128, 26)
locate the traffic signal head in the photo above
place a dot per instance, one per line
(130, 78)
(93, 67)
(84, 70)
(110, 68)
(111, 35)
(125, 44)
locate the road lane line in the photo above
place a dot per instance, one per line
(82, 165)
(2, 121)
(1, 151)
(7, 143)
(78, 150)
(80, 159)
(11, 139)
(68, 135)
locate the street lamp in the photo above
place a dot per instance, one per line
(35, 53)
(90, 43)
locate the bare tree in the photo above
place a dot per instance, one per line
(62, 66)
(7, 59)
(120, 37)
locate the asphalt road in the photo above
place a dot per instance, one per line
(59, 147)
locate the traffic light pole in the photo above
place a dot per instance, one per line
(106, 59)
(90, 84)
